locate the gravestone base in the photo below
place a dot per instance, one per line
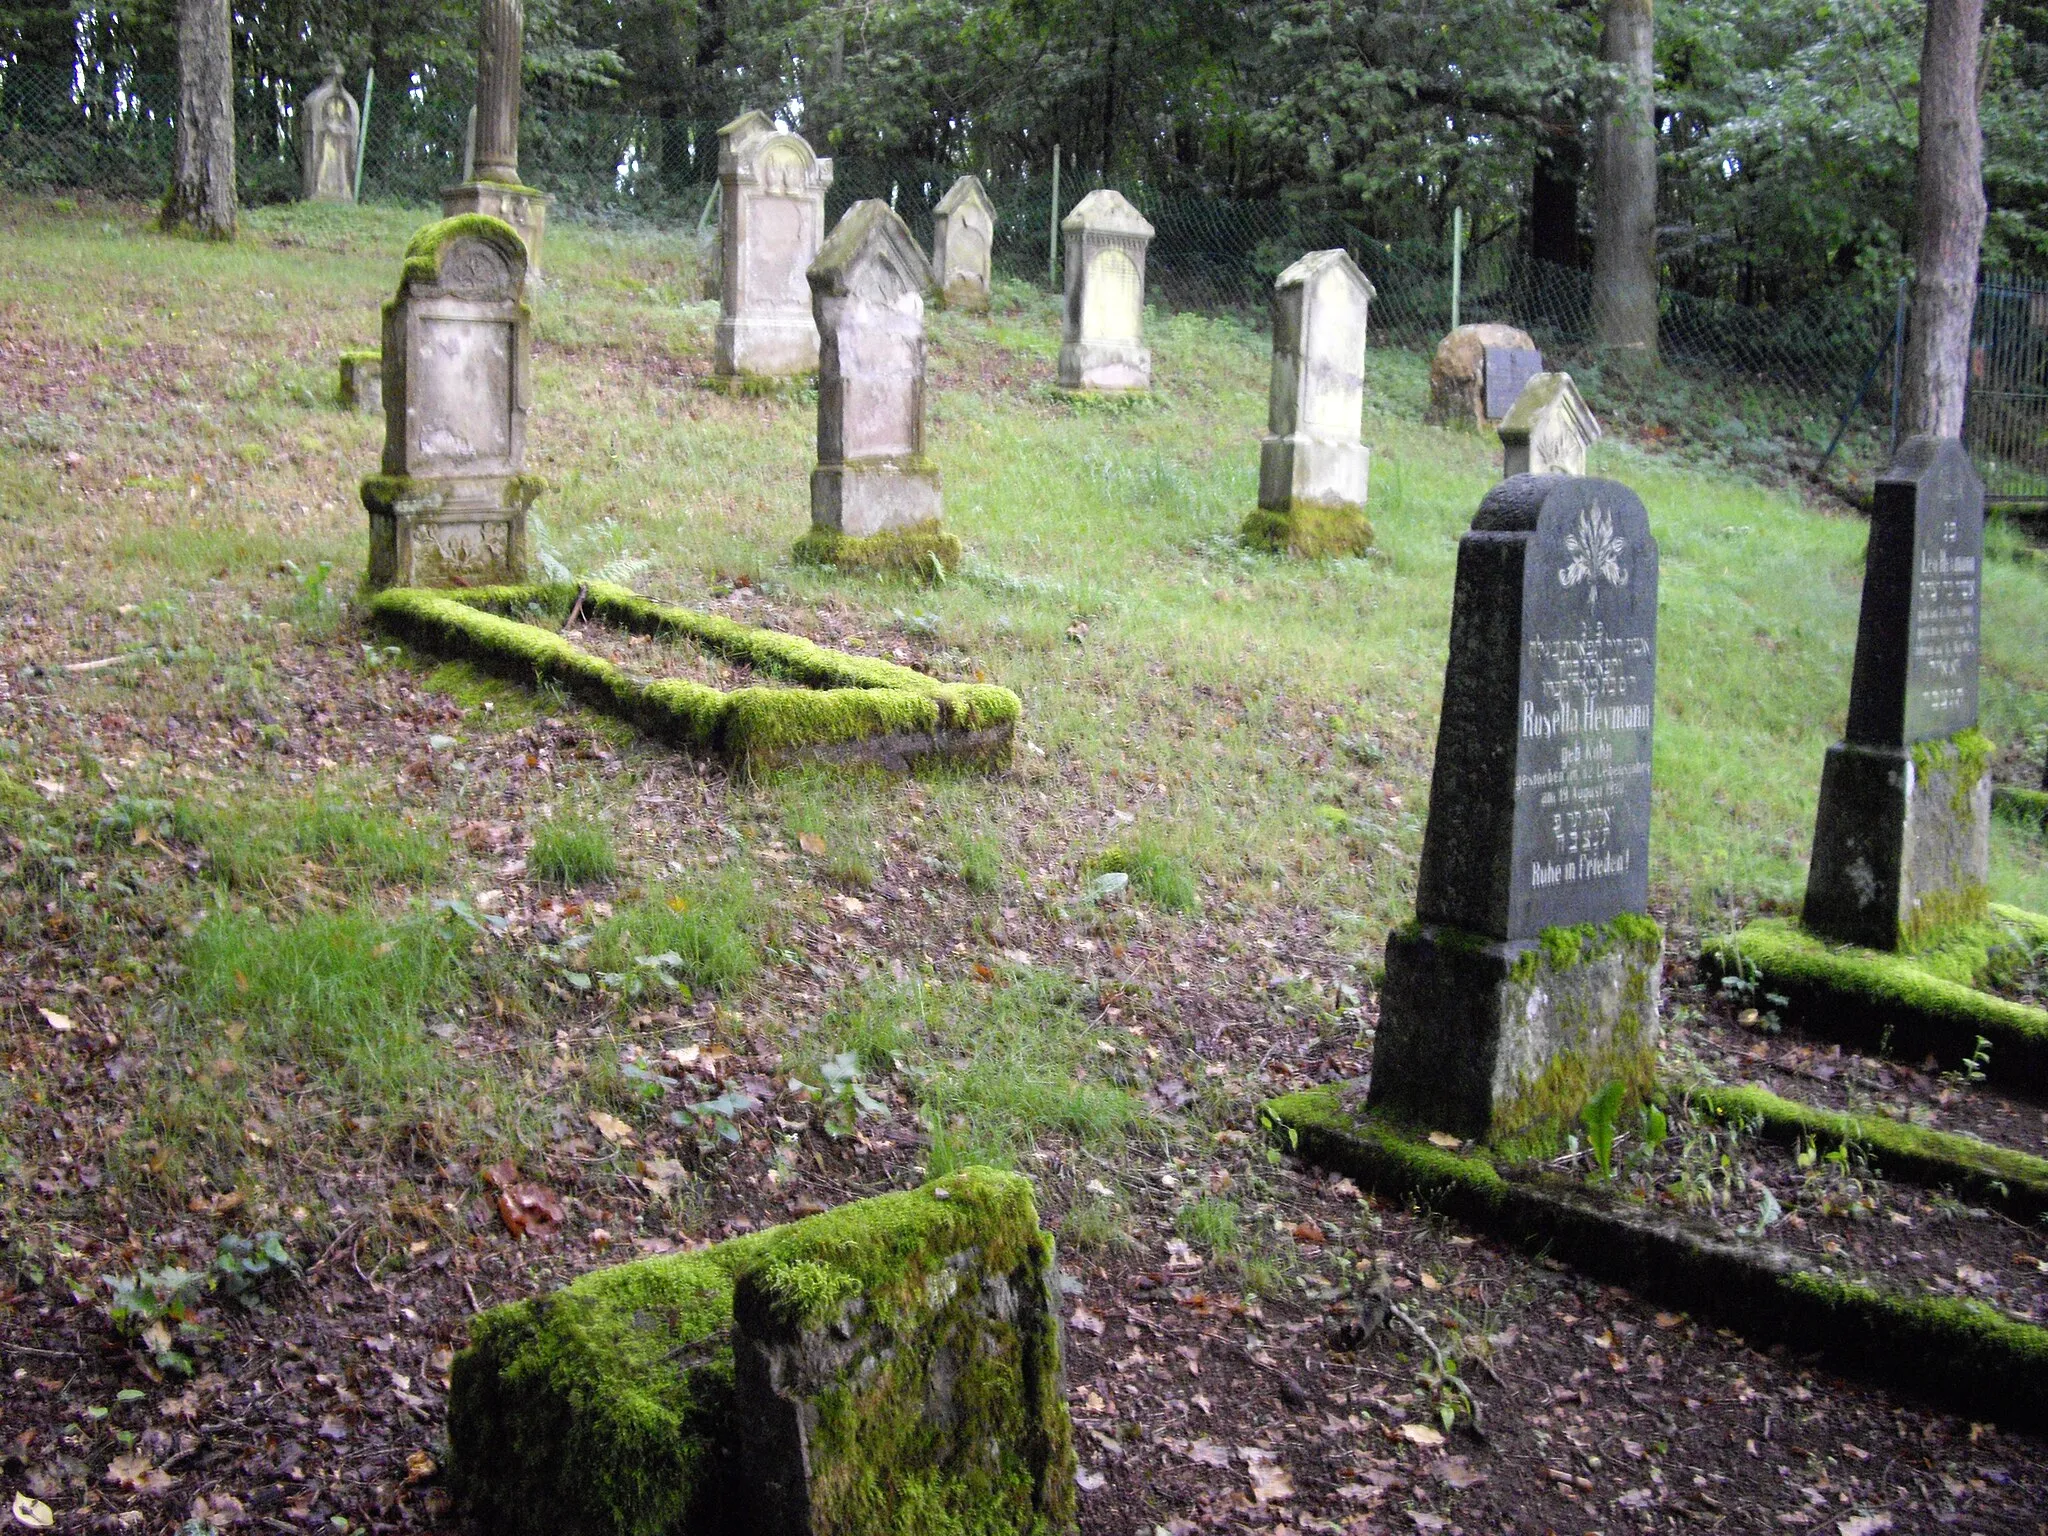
(749, 347)
(362, 382)
(877, 496)
(965, 296)
(1308, 531)
(1902, 844)
(924, 550)
(1506, 1042)
(448, 532)
(524, 208)
(1298, 469)
(1104, 367)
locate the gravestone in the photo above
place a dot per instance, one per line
(330, 125)
(1508, 371)
(362, 381)
(449, 508)
(1529, 979)
(1458, 394)
(1548, 429)
(771, 222)
(867, 286)
(963, 242)
(1102, 336)
(1901, 845)
(494, 189)
(1312, 467)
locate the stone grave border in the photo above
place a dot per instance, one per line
(1961, 1354)
(620, 1402)
(1892, 1003)
(927, 552)
(839, 708)
(2029, 807)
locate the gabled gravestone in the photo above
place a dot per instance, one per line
(330, 123)
(771, 224)
(1529, 979)
(449, 508)
(873, 478)
(1548, 429)
(1312, 467)
(1102, 336)
(963, 242)
(1901, 846)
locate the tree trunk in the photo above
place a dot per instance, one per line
(1554, 194)
(1949, 210)
(202, 196)
(1625, 220)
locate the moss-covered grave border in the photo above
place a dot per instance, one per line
(2028, 807)
(836, 708)
(1908, 1005)
(1962, 1354)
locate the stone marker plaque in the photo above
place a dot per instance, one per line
(963, 245)
(1901, 843)
(1540, 804)
(771, 222)
(1508, 369)
(1102, 341)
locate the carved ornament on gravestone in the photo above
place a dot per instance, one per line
(1102, 338)
(330, 125)
(1548, 429)
(771, 223)
(963, 245)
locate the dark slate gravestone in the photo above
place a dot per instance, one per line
(1901, 846)
(1539, 819)
(1508, 369)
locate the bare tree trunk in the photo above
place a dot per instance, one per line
(1949, 210)
(1625, 217)
(202, 195)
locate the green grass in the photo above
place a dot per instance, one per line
(1155, 874)
(264, 845)
(1211, 1224)
(570, 851)
(709, 927)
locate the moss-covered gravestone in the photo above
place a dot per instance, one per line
(889, 1367)
(449, 508)
(963, 241)
(771, 221)
(1548, 429)
(1901, 847)
(1529, 980)
(1102, 335)
(874, 494)
(1312, 466)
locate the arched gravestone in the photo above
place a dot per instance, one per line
(1902, 842)
(867, 287)
(771, 224)
(963, 245)
(1102, 344)
(450, 506)
(1531, 947)
(330, 124)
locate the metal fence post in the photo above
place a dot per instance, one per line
(1457, 260)
(1052, 227)
(363, 129)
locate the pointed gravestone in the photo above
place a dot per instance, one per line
(873, 478)
(1529, 980)
(1901, 847)
(1102, 339)
(494, 189)
(449, 508)
(771, 223)
(1312, 467)
(1548, 429)
(327, 148)
(963, 241)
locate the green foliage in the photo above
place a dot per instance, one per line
(1212, 1223)
(704, 933)
(160, 1308)
(266, 845)
(570, 851)
(1154, 871)
(1601, 1116)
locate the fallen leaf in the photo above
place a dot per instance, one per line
(1422, 1434)
(1088, 1480)
(218, 1510)
(1084, 1320)
(529, 1210)
(1307, 1232)
(57, 1021)
(1458, 1472)
(1444, 1139)
(812, 844)
(1429, 1281)
(33, 1513)
(611, 1128)
(138, 1474)
(1865, 1525)
(1209, 1454)
(1425, 1521)
(1668, 1320)
(419, 1466)
(1270, 1482)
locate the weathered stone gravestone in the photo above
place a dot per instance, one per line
(963, 245)
(1102, 338)
(494, 189)
(449, 508)
(1459, 372)
(330, 123)
(1901, 846)
(1529, 980)
(362, 381)
(867, 287)
(771, 223)
(1548, 429)
(1312, 467)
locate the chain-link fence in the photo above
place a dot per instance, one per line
(1776, 383)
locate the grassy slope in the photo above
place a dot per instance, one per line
(1212, 693)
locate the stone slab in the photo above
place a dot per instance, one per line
(1508, 371)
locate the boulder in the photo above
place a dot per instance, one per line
(1457, 374)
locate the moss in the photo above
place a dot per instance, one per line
(2007, 1180)
(836, 700)
(760, 386)
(1913, 1004)
(1309, 532)
(423, 253)
(2028, 807)
(390, 494)
(359, 355)
(926, 551)
(1940, 915)
(1966, 755)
